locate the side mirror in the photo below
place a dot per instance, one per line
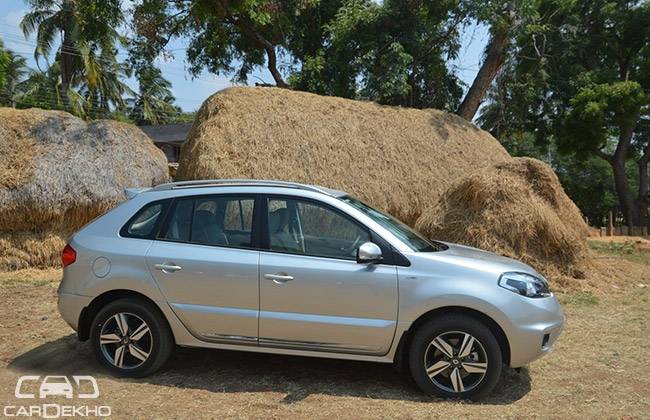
(368, 253)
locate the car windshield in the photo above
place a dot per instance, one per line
(407, 235)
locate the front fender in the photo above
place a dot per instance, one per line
(422, 291)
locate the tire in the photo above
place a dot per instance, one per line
(470, 375)
(145, 349)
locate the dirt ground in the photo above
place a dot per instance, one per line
(599, 368)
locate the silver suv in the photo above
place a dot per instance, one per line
(278, 267)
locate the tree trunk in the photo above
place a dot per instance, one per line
(623, 192)
(66, 64)
(269, 48)
(642, 200)
(272, 65)
(494, 59)
(621, 183)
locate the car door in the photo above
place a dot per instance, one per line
(206, 265)
(313, 294)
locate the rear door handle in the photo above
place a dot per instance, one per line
(167, 268)
(278, 278)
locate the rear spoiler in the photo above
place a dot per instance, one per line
(132, 192)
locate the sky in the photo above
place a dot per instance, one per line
(190, 91)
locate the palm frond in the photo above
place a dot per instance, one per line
(31, 21)
(45, 37)
(77, 102)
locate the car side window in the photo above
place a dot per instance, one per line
(239, 215)
(214, 220)
(180, 221)
(305, 227)
(145, 222)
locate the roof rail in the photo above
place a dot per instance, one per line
(205, 183)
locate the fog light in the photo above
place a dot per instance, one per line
(545, 340)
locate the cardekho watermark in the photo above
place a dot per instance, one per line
(35, 387)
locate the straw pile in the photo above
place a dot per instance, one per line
(518, 209)
(395, 158)
(58, 172)
(403, 161)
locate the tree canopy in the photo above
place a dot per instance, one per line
(583, 84)
(4, 62)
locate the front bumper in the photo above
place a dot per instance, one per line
(70, 307)
(535, 329)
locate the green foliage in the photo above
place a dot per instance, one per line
(90, 77)
(39, 90)
(588, 182)
(597, 111)
(393, 53)
(578, 81)
(4, 62)
(15, 70)
(318, 66)
(154, 103)
(88, 20)
(86, 78)
(225, 37)
(499, 12)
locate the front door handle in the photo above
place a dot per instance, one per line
(167, 268)
(278, 278)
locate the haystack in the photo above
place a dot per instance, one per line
(403, 161)
(398, 159)
(518, 209)
(58, 172)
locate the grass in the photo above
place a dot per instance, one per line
(30, 277)
(627, 250)
(13, 281)
(578, 299)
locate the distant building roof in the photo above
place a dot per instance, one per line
(167, 133)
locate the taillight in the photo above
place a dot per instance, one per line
(68, 256)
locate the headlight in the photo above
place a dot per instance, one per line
(525, 284)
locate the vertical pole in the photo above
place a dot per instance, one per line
(610, 224)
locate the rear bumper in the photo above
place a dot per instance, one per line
(536, 331)
(70, 307)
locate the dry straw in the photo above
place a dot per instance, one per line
(398, 159)
(401, 160)
(58, 172)
(518, 209)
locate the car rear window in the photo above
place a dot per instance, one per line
(145, 223)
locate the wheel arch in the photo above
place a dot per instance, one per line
(89, 312)
(401, 355)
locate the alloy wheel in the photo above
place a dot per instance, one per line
(455, 361)
(126, 340)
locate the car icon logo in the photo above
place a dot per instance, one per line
(56, 386)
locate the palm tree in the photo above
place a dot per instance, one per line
(81, 24)
(40, 90)
(48, 19)
(15, 69)
(4, 60)
(154, 103)
(100, 84)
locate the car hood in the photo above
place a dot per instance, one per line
(476, 259)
